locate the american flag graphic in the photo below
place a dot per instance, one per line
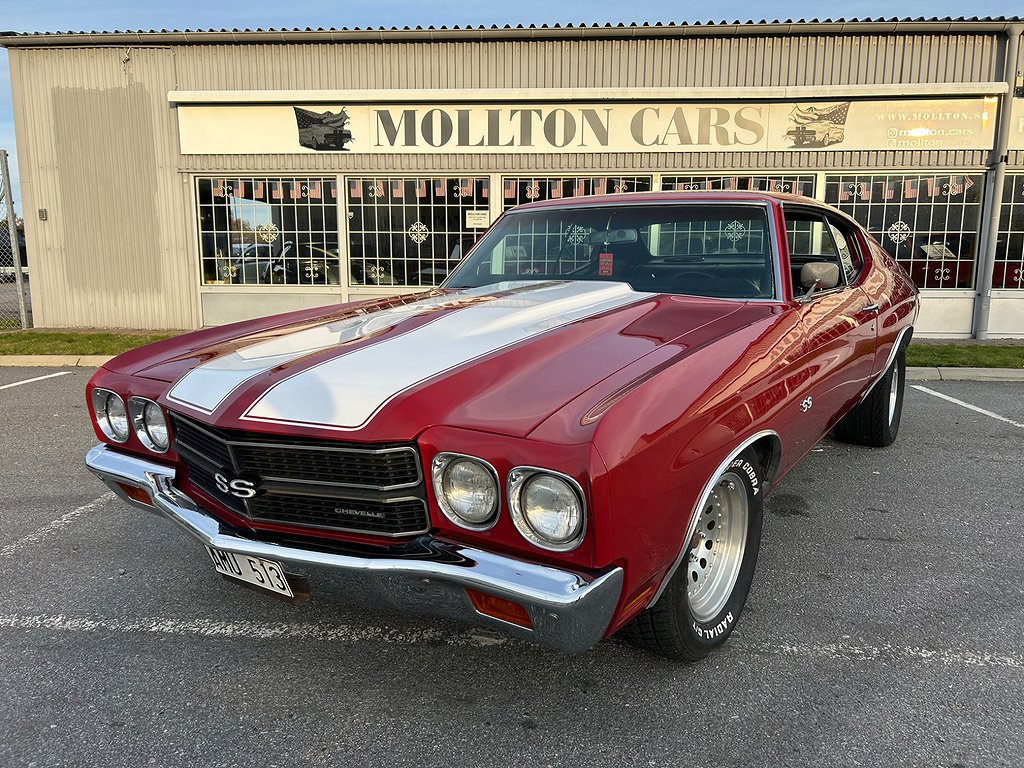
(509, 189)
(397, 189)
(598, 187)
(580, 189)
(355, 188)
(257, 190)
(421, 187)
(276, 190)
(833, 113)
(865, 191)
(218, 188)
(439, 188)
(910, 189)
(556, 188)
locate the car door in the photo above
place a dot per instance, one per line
(836, 354)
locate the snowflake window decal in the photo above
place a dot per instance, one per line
(735, 231)
(418, 233)
(575, 234)
(899, 232)
(268, 232)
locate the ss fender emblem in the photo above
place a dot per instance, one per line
(243, 489)
(805, 406)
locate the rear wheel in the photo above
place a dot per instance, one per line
(876, 420)
(702, 603)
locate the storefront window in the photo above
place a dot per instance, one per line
(412, 232)
(929, 222)
(524, 189)
(1009, 266)
(785, 183)
(268, 231)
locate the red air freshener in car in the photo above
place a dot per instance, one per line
(605, 262)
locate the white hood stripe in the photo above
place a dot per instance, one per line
(345, 392)
(206, 387)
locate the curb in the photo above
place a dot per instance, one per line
(963, 374)
(54, 361)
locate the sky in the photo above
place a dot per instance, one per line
(65, 15)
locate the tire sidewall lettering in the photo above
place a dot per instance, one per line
(749, 471)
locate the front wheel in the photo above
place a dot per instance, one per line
(702, 603)
(876, 420)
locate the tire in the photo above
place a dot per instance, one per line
(876, 420)
(702, 603)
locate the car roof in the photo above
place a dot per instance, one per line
(689, 196)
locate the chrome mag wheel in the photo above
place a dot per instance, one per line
(894, 391)
(716, 549)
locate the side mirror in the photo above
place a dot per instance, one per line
(818, 275)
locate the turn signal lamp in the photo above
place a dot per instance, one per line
(499, 608)
(136, 494)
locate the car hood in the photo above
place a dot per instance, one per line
(501, 358)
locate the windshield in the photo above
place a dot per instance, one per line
(696, 249)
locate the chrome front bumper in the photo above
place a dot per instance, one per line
(568, 612)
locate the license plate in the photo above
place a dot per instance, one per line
(266, 574)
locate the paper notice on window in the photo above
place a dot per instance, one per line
(478, 219)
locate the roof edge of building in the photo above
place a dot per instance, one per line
(520, 32)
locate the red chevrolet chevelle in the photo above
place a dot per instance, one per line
(573, 435)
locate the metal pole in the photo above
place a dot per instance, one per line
(994, 198)
(12, 226)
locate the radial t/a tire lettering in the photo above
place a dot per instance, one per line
(702, 603)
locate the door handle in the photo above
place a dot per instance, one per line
(868, 309)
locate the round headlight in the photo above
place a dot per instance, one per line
(547, 508)
(111, 415)
(155, 425)
(150, 424)
(467, 490)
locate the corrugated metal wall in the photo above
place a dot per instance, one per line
(98, 140)
(97, 148)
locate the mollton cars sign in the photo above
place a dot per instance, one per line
(597, 127)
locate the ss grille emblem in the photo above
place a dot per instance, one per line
(805, 406)
(242, 489)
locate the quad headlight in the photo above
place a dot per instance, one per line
(110, 413)
(150, 424)
(547, 508)
(466, 490)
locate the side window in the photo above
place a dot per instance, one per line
(812, 238)
(846, 245)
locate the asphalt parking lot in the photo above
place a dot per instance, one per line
(884, 628)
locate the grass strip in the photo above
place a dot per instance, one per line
(74, 342)
(965, 355)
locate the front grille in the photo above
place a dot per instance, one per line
(373, 489)
(387, 469)
(388, 517)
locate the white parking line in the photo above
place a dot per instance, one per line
(254, 630)
(52, 527)
(974, 408)
(37, 378)
(849, 652)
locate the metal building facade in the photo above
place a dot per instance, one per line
(119, 245)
